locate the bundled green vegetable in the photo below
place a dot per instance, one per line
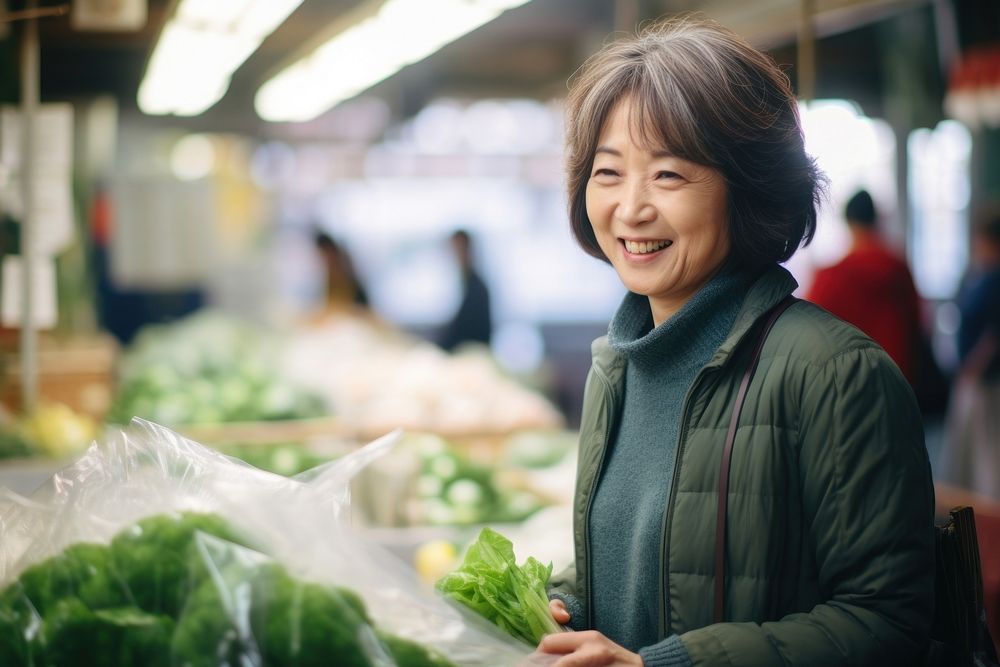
(490, 583)
(106, 604)
(153, 598)
(286, 622)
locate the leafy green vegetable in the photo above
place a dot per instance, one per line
(490, 583)
(75, 635)
(82, 571)
(290, 622)
(149, 598)
(18, 628)
(304, 624)
(205, 634)
(155, 558)
(46, 616)
(411, 654)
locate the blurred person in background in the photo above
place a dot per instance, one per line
(472, 322)
(970, 457)
(872, 288)
(687, 173)
(979, 296)
(342, 290)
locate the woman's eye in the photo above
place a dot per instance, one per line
(605, 172)
(667, 174)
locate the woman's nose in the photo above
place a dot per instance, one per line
(634, 207)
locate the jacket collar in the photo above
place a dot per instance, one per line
(773, 285)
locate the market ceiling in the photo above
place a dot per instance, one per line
(529, 51)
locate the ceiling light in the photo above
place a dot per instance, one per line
(200, 48)
(399, 33)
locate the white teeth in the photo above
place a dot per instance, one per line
(644, 247)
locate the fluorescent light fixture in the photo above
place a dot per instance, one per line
(200, 48)
(399, 33)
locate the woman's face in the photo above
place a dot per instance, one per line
(660, 219)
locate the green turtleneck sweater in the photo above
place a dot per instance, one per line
(626, 518)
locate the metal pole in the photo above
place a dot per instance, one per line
(60, 10)
(29, 107)
(806, 77)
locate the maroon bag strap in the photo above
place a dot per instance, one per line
(727, 456)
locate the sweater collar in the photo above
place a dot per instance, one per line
(690, 335)
(770, 287)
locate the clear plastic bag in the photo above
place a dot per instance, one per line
(150, 538)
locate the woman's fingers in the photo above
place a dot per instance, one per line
(558, 610)
(566, 642)
(587, 649)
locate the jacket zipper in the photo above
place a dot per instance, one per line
(608, 412)
(668, 513)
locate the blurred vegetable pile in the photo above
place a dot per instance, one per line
(452, 489)
(286, 459)
(207, 369)
(381, 382)
(158, 595)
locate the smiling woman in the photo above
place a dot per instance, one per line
(687, 173)
(658, 218)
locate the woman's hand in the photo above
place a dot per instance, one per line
(587, 649)
(558, 609)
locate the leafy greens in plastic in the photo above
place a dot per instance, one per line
(512, 597)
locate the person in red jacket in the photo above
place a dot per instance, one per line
(872, 288)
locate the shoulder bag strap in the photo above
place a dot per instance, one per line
(727, 456)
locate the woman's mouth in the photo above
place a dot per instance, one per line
(644, 247)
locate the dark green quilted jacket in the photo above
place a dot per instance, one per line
(830, 555)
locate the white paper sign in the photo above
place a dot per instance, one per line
(44, 312)
(53, 141)
(53, 222)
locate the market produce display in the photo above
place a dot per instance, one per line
(153, 549)
(286, 458)
(149, 598)
(205, 369)
(490, 582)
(452, 489)
(380, 380)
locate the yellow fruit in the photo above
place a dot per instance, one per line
(58, 431)
(435, 559)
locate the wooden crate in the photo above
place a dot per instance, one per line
(77, 372)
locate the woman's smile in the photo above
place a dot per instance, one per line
(642, 249)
